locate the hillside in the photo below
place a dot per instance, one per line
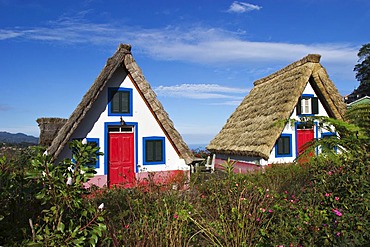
(6, 137)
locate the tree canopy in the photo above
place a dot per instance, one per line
(363, 70)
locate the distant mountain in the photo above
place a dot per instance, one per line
(6, 137)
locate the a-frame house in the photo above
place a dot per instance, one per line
(122, 115)
(254, 135)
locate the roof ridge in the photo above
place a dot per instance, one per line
(310, 58)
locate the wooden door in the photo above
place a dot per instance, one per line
(121, 159)
(304, 136)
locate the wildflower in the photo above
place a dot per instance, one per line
(236, 184)
(258, 219)
(337, 212)
(175, 216)
(242, 199)
(330, 172)
(127, 226)
(270, 211)
(338, 234)
(336, 198)
(327, 194)
(262, 209)
(69, 181)
(101, 206)
(84, 141)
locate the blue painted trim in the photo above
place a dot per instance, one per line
(154, 138)
(106, 140)
(296, 136)
(308, 96)
(290, 147)
(110, 95)
(96, 140)
(324, 134)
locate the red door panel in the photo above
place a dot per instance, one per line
(121, 158)
(304, 136)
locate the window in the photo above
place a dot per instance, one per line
(120, 102)
(308, 105)
(154, 150)
(328, 144)
(94, 142)
(283, 147)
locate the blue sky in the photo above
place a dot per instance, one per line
(200, 57)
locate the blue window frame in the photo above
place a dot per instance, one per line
(308, 105)
(154, 151)
(120, 101)
(95, 143)
(283, 146)
(329, 135)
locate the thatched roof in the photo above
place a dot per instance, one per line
(124, 58)
(253, 128)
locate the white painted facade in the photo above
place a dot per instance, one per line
(94, 125)
(291, 129)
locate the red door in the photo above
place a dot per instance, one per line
(121, 159)
(304, 136)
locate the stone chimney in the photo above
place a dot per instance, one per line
(49, 128)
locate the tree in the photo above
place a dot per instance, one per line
(363, 70)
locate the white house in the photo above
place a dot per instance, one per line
(121, 114)
(260, 132)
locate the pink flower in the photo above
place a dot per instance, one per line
(337, 212)
(262, 209)
(270, 211)
(336, 198)
(338, 234)
(327, 194)
(329, 172)
(175, 216)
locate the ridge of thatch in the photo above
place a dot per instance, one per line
(122, 57)
(258, 121)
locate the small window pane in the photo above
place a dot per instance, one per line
(115, 103)
(120, 102)
(283, 145)
(154, 151)
(125, 102)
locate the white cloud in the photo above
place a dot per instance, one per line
(195, 44)
(200, 91)
(9, 34)
(241, 7)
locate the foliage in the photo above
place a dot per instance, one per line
(147, 216)
(360, 116)
(363, 68)
(68, 219)
(324, 202)
(17, 196)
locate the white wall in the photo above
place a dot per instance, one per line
(147, 126)
(290, 129)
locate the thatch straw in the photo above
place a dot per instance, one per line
(124, 58)
(252, 129)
